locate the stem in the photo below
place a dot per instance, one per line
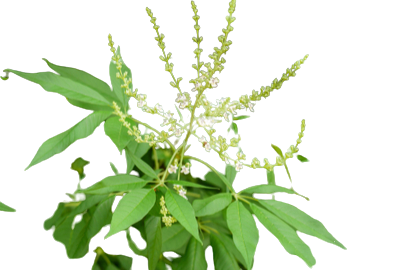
(155, 158)
(166, 260)
(155, 130)
(193, 194)
(170, 162)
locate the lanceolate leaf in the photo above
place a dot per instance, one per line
(116, 183)
(300, 220)
(194, 257)
(114, 169)
(182, 210)
(223, 259)
(212, 178)
(286, 235)
(302, 158)
(86, 79)
(266, 189)
(89, 106)
(230, 172)
(174, 237)
(6, 208)
(188, 184)
(228, 242)
(133, 246)
(143, 166)
(270, 177)
(117, 132)
(211, 205)
(52, 82)
(78, 165)
(240, 117)
(138, 150)
(244, 230)
(154, 240)
(59, 143)
(117, 83)
(131, 208)
(277, 149)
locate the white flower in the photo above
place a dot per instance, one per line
(182, 193)
(239, 165)
(197, 86)
(202, 139)
(172, 128)
(226, 115)
(202, 121)
(169, 115)
(207, 147)
(165, 121)
(227, 159)
(185, 170)
(172, 169)
(183, 104)
(141, 103)
(179, 132)
(180, 97)
(159, 108)
(251, 106)
(214, 82)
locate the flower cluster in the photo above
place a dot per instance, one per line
(167, 220)
(180, 190)
(224, 107)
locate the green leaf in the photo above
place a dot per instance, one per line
(270, 177)
(212, 178)
(6, 208)
(89, 106)
(211, 205)
(78, 165)
(72, 235)
(240, 117)
(228, 242)
(133, 246)
(188, 184)
(114, 169)
(131, 208)
(101, 217)
(86, 79)
(223, 259)
(52, 82)
(180, 114)
(183, 211)
(286, 235)
(230, 172)
(277, 149)
(116, 183)
(194, 257)
(143, 166)
(266, 189)
(117, 132)
(300, 220)
(243, 227)
(50, 222)
(106, 261)
(138, 150)
(117, 83)
(232, 127)
(174, 237)
(60, 142)
(302, 158)
(154, 240)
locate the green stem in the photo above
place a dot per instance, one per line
(166, 260)
(191, 194)
(155, 130)
(155, 158)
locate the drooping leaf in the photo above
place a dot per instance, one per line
(114, 169)
(78, 165)
(106, 261)
(230, 172)
(302, 158)
(188, 184)
(133, 246)
(6, 208)
(154, 240)
(194, 257)
(143, 166)
(174, 237)
(266, 189)
(286, 235)
(300, 220)
(138, 150)
(223, 259)
(116, 183)
(117, 132)
(117, 82)
(240, 117)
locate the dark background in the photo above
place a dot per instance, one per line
(266, 41)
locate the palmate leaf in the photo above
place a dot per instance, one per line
(154, 240)
(6, 208)
(136, 149)
(116, 183)
(300, 220)
(211, 205)
(117, 83)
(286, 235)
(106, 261)
(244, 230)
(117, 132)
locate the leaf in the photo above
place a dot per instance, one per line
(78, 165)
(211, 205)
(188, 184)
(277, 149)
(133, 246)
(223, 259)
(52, 82)
(180, 114)
(302, 158)
(234, 127)
(60, 142)
(183, 212)
(154, 240)
(114, 169)
(194, 257)
(228, 242)
(286, 235)
(270, 177)
(106, 261)
(300, 220)
(212, 178)
(52, 221)
(243, 227)
(6, 208)
(230, 172)
(86, 79)
(101, 217)
(240, 117)
(117, 132)
(266, 189)
(174, 237)
(131, 208)
(143, 166)
(89, 106)
(116, 183)
(138, 149)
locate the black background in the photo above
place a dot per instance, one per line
(266, 41)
